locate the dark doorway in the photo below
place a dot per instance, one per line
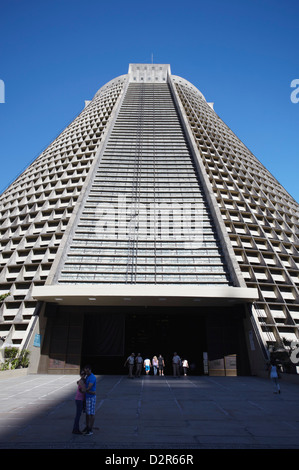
(148, 330)
(105, 336)
(165, 331)
(103, 340)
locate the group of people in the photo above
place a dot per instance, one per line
(138, 363)
(85, 397)
(85, 400)
(157, 364)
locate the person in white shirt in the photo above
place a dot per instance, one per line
(185, 366)
(155, 364)
(147, 366)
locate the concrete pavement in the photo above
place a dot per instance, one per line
(37, 412)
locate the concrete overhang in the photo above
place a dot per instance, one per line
(143, 295)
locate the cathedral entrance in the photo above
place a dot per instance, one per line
(109, 338)
(105, 336)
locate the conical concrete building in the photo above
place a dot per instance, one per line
(148, 226)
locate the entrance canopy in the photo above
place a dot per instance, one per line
(143, 294)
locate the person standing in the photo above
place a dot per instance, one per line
(274, 377)
(147, 366)
(161, 364)
(139, 362)
(79, 400)
(176, 364)
(90, 394)
(155, 364)
(130, 361)
(185, 366)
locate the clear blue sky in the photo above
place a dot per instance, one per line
(241, 54)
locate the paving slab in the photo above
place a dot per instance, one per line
(37, 412)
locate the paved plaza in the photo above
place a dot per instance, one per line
(37, 412)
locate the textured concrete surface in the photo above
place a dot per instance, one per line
(37, 412)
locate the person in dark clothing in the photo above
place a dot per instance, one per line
(130, 361)
(176, 364)
(161, 364)
(139, 362)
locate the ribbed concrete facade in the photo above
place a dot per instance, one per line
(36, 209)
(146, 171)
(260, 217)
(149, 197)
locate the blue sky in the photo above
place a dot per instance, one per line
(241, 54)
